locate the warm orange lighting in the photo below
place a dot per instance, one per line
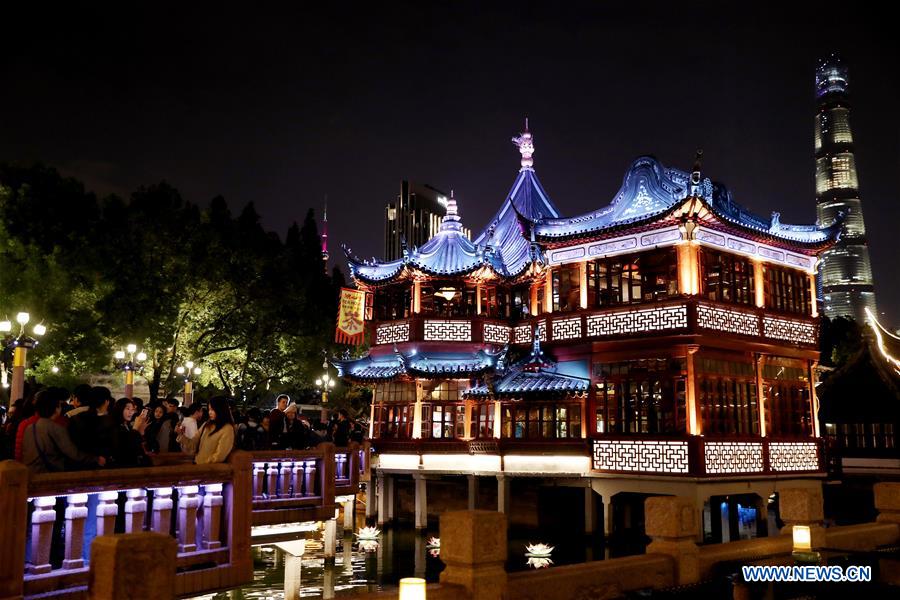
(759, 283)
(802, 538)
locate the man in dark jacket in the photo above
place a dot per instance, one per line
(92, 431)
(46, 447)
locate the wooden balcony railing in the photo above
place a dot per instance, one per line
(692, 456)
(678, 315)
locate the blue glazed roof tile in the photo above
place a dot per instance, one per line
(418, 364)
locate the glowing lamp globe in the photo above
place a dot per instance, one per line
(197, 370)
(40, 329)
(318, 382)
(179, 370)
(802, 538)
(54, 369)
(22, 318)
(5, 326)
(120, 355)
(142, 356)
(412, 588)
(189, 364)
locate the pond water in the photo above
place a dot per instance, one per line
(399, 552)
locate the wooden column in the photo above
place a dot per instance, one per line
(759, 283)
(812, 295)
(468, 419)
(421, 501)
(583, 284)
(238, 518)
(813, 398)
(14, 508)
(534, 299)
(695, 426)
(498, 419)
(417, 297)
(760, 393)
(548, 292)
(478, 299)
(688, 268)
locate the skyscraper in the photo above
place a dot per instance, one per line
(415, 217)
(845, 273)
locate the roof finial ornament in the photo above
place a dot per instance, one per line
(525, 143)
(450, 222)
(695, 175)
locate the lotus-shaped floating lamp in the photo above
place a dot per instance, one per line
(538, 550)
(539, 563)
(433, 542)
(368, 533)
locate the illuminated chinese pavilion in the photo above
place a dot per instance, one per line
(665, 343)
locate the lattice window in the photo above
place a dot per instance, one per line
(567, 329)
(723, 319)
(496, 334)
(448, 331)
(391, 334)
(792, 331)
(733, 457)
(644, 456)
(793, 456)
(524, 334)
(637, 321)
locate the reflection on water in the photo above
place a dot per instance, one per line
(376, 565)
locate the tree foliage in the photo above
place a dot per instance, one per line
(182, 281)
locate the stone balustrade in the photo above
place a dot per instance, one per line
(211, 524)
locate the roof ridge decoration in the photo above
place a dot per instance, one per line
(525, 143)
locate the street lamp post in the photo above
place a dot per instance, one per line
(189, 372)
(323, 384)
(134, 362)
(19, 346)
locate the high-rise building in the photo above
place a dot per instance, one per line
(415, 217)
(845, 272)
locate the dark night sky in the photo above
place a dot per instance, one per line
(282, 109)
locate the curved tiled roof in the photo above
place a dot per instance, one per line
(650, 191)
(418, 364)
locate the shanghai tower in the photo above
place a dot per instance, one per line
(845, 274)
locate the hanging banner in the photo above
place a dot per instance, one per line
(351, 317)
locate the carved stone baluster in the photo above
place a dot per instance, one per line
(161, 517)
(259, 474)
(106, 512)
(188, 503)
(285, 480)
(298, 479)
(42, 520)
(309, 483)
(76, 515)
(135, 509)
(272, 473)
(212, 516)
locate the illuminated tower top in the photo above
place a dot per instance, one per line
(845, 275)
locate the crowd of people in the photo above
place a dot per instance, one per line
(55, 430)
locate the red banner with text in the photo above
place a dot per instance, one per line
(351, 317)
